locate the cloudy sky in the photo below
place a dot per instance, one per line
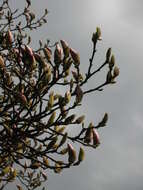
(118, 163)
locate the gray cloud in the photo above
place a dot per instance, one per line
(132, 11)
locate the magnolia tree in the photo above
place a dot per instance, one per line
(34, 117)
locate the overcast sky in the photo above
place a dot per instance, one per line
(118, 163)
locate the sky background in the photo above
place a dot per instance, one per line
(118, 162)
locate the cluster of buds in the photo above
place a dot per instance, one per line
(72, 157)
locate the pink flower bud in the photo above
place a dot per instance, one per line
(58, 54)
(65, 47)
(9, 37)
(48, 53)
(29, 50)
(75, 56)
(96, 140)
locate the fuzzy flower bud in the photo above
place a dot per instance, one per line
(75, 56)
(71, 153)
(58, 54)
(116, 71)
(108, 54)
(112, 62)
(65, 47)
(96, 140)
(81, 155)
(67, 97)
(2, 65)
(9, 37)
(88, 135)
(47, 53)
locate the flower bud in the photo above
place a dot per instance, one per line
(75, 56)
(75, 75)
(98, 33)
(29, 57)
(22, 99)
(57, 168)
(112, 62)
(46, 161)
(58, 54)
(65, 47)
(80, 119)
(48, 53)
(63, 140)
(52, 143)
(67, 97)
(81, 155)
(88, 135)
(32, 16)
(109, 77)
(52, 118)
(79, 94)
(2, 64)
(29, 50)
(70, 119)
(51, 100)
(108, 54)
(9, 37)
(35, 165)
(71, 153)
(116, 71)
(96, 140)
